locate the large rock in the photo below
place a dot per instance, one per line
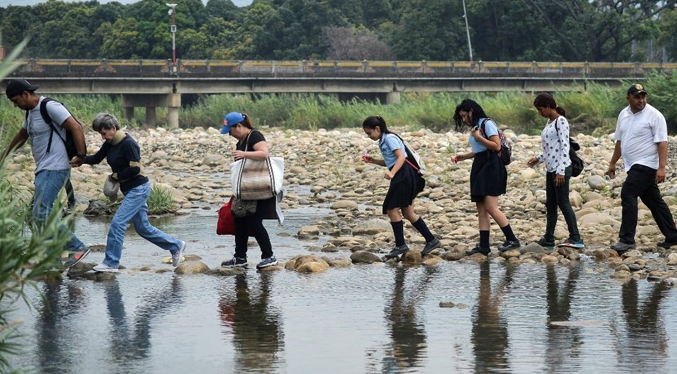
(344, 204)
(307, 264)
(597, 182)
(98, 208)
(192, 267)
(372, 227)
(364, 257)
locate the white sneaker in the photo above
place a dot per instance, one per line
(103, 268)
(178, 255)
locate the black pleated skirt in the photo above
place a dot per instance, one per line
(404, 187)
(488, 176)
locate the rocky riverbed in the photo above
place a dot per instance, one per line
(194, 165)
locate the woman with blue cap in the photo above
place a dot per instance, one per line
(251, 145)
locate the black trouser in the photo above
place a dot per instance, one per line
(70, 193)
(559, 197)
(641, 182)
(254, 225)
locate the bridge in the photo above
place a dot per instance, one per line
(159, 83)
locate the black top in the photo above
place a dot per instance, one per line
(255, 136)
(119, 157)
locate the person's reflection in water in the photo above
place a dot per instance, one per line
(55, 350)
(490, 331)
(255, 325)
(406, 331)
(126, 347)
(563, 341)
(645, 346)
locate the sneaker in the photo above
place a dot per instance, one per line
(103, 268)
(266, 262)
(546, 244)
(429, 246)
(478, 249)
(666, 244)
(75, 257)
(178, 254)
(621, 247)
(397, 251)
(235, 262)
(573, 244)
(508, 245)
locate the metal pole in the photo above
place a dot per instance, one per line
(467, 30)
(173, 30)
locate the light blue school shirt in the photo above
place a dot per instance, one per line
(490, 130)
(388, 144)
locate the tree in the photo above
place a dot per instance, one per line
(350, 44)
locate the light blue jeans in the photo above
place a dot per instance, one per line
(134, 208)
(48, 184)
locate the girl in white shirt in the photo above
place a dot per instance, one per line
(555, 138)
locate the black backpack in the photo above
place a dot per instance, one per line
(71, 149)
(577, 163)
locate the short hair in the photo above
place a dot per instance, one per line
(105, 121)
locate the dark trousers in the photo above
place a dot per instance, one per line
(70, 194)
(559, 197)
(641, 182)
(252, 225)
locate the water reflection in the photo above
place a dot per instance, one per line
(407, 333)
(255, 325)
(55, 351)
(644, 346)
(563, 342)
(490, 330)
(127, 346)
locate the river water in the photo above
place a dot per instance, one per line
(361, 319)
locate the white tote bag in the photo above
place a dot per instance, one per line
(257, 179)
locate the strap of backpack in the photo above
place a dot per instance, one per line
(482, 127)
(48, 120)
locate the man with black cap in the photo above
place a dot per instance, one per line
(52, 165)
(642, 140)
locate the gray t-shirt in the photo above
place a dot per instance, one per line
(39, 132)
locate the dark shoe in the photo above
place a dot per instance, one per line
(478, 249)
(75, 257)
(546, 244)
(235, 262)
(621, 247)
(429, 246)
(270, 261)
(666, 244)
(508, 245)
(397, 251)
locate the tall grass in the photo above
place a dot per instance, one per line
(160, 201)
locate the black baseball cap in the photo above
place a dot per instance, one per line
(19, 86)
(636, 89)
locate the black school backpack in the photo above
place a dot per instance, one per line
(71, 149)
(577, 163)
(506, 147)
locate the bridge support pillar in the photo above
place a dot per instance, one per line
(151, 119)
(151, 102)
(173, 112)
(393, 97)
(129, 112)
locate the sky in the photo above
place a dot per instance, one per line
(5, 3)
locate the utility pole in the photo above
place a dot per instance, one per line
(172, 12)
(467, 30)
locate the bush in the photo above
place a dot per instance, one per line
(160, 201)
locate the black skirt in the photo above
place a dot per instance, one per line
(403, 189)
(488, 176)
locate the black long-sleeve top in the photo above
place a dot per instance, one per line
(124, 159)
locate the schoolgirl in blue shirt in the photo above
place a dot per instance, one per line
(405, 184)
(488, 176)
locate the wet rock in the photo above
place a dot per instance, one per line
(307, 232)
(621, 274)
(511, 253)
(191, 258)
(307, 264)
(477, 257)
(372, 227)
(146, 268)
(338, 262)
(344, 204)
(364, 257)
(447, 304)
(192, 267)
(227, 271)
(160, 271)
(549, 260)
(533, 248)
(412, 258)
(432, 261)
(272, 268)
(98, 208)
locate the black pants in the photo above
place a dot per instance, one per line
(252, 225)
(559, 197)
(641, 182)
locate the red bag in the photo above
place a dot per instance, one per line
(226, 222)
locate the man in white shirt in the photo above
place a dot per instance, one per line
(52, 165)
(642, 140)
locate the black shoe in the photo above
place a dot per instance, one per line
(235, 262)
(621, 247)
(546, 244)
(266, 262)
(508, 245)
(429, 246)
(478, 249)
(397, 251)
(666, 244)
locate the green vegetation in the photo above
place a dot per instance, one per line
(541, 30)
(160, 201)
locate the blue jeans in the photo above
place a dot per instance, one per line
(134, 208)
(48, 184)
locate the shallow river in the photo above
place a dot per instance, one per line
(362, 319)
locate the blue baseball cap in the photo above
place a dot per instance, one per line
(231, 119)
